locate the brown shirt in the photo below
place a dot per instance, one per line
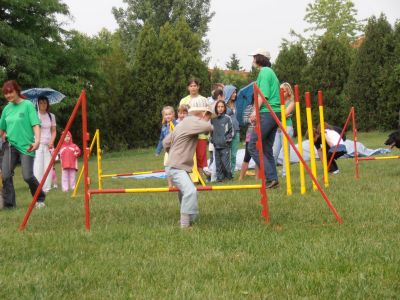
(181, 143)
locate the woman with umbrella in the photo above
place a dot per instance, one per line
(47, 137)
(20, 124)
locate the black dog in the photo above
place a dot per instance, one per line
(394, 139)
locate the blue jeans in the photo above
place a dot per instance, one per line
(268, 131)
(187, 191)
(278, 145)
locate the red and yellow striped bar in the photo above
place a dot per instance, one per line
(131, 174)
(379, 157)
(173, 189)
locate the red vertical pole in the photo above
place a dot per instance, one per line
(353, 111)
(263, 192)
(86, 152)
(36, 195)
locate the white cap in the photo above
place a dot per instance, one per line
(262, 52)
(199, 103)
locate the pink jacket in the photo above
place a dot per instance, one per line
(68, 154)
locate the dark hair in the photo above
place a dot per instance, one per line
(45, 99)
(10, 86)
(216, 104)
(193, 80)
(216, 93)
(262, 61)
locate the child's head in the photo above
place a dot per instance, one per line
(230, 93)
(193, 87)
(68, 137)
(182, 111)
(199, 107)
(218, 94)
(220, 107)
(168, 114)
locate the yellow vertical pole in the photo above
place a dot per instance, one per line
(81, 172)
(311, 138)
(286, 161)
(299, 138)
(322, 124)
(99, 167)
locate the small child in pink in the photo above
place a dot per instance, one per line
(69, 153)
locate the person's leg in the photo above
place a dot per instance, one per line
(290, 131)
(218, 164)
(189, 205)
(46, 161)
(38, 163)
(234, 149)
(226, 163)
(276, 149)
(9, 163)
(29, 178)
(201, 154)
(72, 174)
(64, 180)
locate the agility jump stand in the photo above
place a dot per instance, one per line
(302, 161)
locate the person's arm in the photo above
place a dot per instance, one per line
(160, 142)
(289, 109)
(230, 132)
(35, 145)
(53, 137)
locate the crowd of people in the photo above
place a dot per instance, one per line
(28, 135)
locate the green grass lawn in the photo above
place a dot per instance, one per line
(136, 250)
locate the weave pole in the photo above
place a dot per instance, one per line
(322, 124)
(307, 168)
(311, 137)
(286, 160)
(299, 138)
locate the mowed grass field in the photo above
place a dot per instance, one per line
(136, 250)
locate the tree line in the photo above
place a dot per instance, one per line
(130, 74)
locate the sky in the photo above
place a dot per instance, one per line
(239, 26)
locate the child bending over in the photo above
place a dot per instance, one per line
(181, 146)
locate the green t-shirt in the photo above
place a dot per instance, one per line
(269, 86)
(17, 121)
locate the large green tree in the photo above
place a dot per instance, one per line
(29, 36)
(157, 12)
(328, 71)
(367, 77)
(233, 63)
(290, 63)
(338, 17)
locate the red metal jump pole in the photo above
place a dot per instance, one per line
(263, 190)
(355, 141)
(86, 154)
(49, 167)
(328, 202)
(341, 137)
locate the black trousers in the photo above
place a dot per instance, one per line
(223, 163)
(10, 160)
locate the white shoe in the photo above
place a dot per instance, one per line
(336, 172)
(40, 205)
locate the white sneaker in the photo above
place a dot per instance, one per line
(40, 205)
(336, 172)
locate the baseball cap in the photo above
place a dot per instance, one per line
(262, 52)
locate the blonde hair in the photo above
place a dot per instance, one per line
(183, 108)
(165, 109)
(290, 90)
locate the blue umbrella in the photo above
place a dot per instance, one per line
(34, 93)
(244, 98)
